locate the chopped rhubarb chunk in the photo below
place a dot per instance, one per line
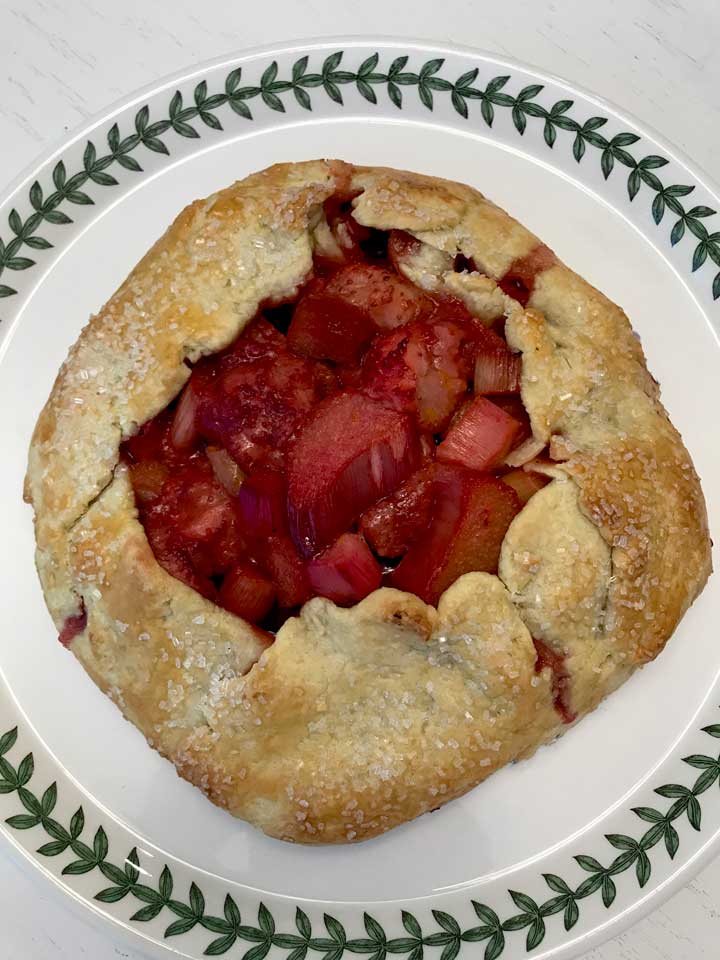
(547, 657)
(470, 516)
(287, 570)
(246, 592)
(327, 327)
(392, 524)
(262, 504)
(525, 483)
(184, 432)
(349, 454)
(386, 299)
(497, 369)
(346, 572)
(519, 281)
(225, 469)
(73, 626)
(481, 436)
(147, 478)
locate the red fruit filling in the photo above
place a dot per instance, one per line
(305, 463)
(73, 626)
(546, 657)
(519, 281)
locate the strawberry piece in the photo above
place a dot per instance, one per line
(470, 516)
(286, 569)
(246, 592)
(525, 483)
(73, 626)
(481, 436)
(386, 300)
(327, 327)
(349, 454)
(147, 478)
(262, 504)
(393, 524)
(348, 233)
(346, 572)
(547, 657)
(519, 280)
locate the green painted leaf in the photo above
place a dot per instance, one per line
(485, 913)
(532, 109)
(298, 954)
(518, 922)
(22, 821)
(367, 66)
(397, 66)
(648, 814)
(652, 836)
(432, 66)
(366, 91)
(487, 111)
(113, 873)
(157, 146)
(556, 883)
(181, 909)
(395, 95)
(566, 123)
(549, 133)
(696, 227)
(7, 772)
(7, 741)
(439, 939)
(217, 925)
(100, 844)
(373, 928)
(77, 196)
(210, 120)
(476, 934)
(288, 940)
(654, 161)
(672, 790)
(19, 263)
(451, 950)
(624, 157)
(147, 894)
(495, 946)
(258, 952)
(536, 934)
(648, 177)
(642, 868)
(112, 894)
(554, 905)
(89, 156)
(677, 190)
(467, 79)
(55, 830)
(497, 83)
(672, 840)
(524, 902)
(699, 257)
(527, 93)
(621, 842)
(607, 162)
(411, 924)
(53, 848)
(36, 195)
(303, 923)
(334, 928)
(596, 139)
(624, 139)
(609, 891)
(30, 802)
(594, 123)
(265, 920)
(113, 140)
(678, 231)
(333, 92)
(185, 130)
(694, 813)
(571, 915)
(200, 93)
(701, 211)
(658, 208)
(579, 147)
(178, 927)
(589, 886)
(147, 913)
(6, 291)
(221, 945)
(57, 217)
(518, 118)
(332, 62)
(165, 883)
(37, 243)
(447, 922)
(426, 97)
(78, 867)
(15, 221)
(132, 862)
(233, 79)
(241, 108)
(197, 900)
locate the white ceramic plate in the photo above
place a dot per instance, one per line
(552, 854)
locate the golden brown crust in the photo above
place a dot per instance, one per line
(357, 720)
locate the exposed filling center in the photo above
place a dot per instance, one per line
(354, 438)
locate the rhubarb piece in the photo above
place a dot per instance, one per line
(349, 454)
(225, 469)
(497, 369)
(525, 483)
(147, 478)
(547, 657)
(346, 572)
(519, 280)
(184, 432)
(386, 299)
(328, 327)
(470, 516)
(246, 592)
(262, 504)
(481, 436)
(287, 570)
(393, 524)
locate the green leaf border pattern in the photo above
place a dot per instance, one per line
(50, 203)
(189, 909)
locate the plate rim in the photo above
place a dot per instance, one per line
(662, 891)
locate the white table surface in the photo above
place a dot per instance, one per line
(63, 60)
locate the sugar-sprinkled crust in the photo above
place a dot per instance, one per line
(357, 720)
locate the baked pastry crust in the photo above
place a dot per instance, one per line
(356, 720)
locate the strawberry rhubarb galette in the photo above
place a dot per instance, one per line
(353, 493)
